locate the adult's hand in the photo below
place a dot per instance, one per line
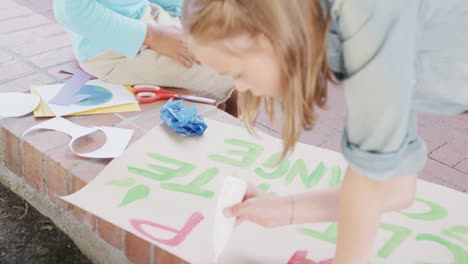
(169, 41)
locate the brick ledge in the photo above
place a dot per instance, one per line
(88, 241)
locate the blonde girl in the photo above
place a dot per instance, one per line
(393, 58)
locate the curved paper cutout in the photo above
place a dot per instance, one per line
(17, 104)
(61, 125)
(117, 139)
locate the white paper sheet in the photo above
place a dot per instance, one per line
(231, 193)
(168, 185)
(117, 139)
(113, 95)
(17, 104)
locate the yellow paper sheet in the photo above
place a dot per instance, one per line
(44, 111)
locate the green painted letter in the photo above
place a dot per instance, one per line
(160, 173)
(247, 157)
(460, 256)
(195, 187)
(457, 233)
(329, 235)
(272, 163)
(300, 168)
(136, 193)
(335, 176)
(400, 234)
(436, 212)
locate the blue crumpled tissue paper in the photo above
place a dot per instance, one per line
(183, 120)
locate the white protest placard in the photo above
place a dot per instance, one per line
(165, 187)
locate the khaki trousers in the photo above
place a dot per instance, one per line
(150, 67)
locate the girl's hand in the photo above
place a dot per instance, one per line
(169, 41)
(261, 208)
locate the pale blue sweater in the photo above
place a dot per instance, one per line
(98, 25)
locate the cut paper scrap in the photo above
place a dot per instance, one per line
(231, 193)
(17, 104)
(71, 93)
(44, 111)
(117, 139)
(102, 95)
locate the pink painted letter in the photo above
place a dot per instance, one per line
(180, 235)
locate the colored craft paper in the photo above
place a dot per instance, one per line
(102, 95)
(70, 69)
(165, 189)
(70, 92)
(117, 139)
(17, 104)
(44, 111)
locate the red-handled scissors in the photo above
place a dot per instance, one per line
(145, 94)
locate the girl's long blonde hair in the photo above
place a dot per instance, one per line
(297, 30)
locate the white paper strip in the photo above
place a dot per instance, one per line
(231, 193)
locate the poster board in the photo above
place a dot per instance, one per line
(164, 190)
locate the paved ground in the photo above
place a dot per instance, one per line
(43, 7)
(25, 60)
